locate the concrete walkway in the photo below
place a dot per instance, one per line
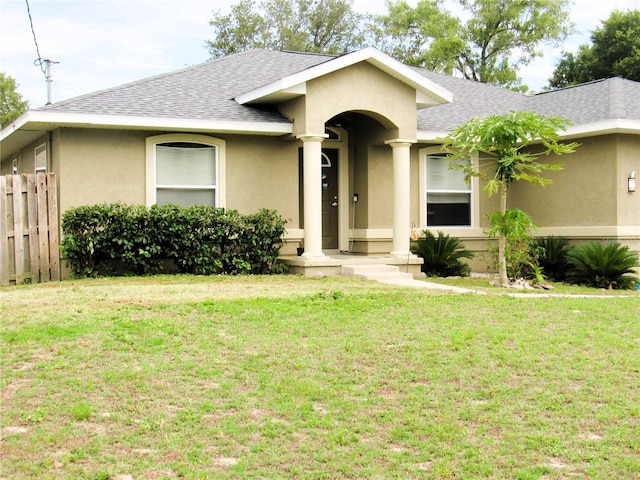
(391, 275)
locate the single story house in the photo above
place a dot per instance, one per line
(346, 148)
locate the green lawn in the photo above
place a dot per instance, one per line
(287, 377)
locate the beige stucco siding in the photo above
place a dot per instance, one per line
(582, 194)
(101, 166)
(26, 158)
(109, 166)
(262, 172)
(628, 203)
(358, 88)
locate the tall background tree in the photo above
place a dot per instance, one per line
(12, 105)
(504, 144)
(318, 26)
(497, 38)
(615, 52)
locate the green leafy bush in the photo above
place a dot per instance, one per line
(441, 255)
(552, 256)
(516, 226)
(603, 265)
(132, 239)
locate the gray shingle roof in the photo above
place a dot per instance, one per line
(207, 91)
(591, 102)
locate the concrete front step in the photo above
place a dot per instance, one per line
(392, 275)
(381, 273)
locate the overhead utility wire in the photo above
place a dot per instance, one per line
(39, 61)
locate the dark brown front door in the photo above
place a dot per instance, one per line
(330, 198)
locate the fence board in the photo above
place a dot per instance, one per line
(18, 229)
(43, 227)
(4, 234)
(32, 214)
(52, 210)
(29, 237)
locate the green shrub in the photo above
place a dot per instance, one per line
(602, 265)
(441, 255)
(552, 256)
(516, 226)
(132, 239)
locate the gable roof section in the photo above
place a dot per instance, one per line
(287, 87)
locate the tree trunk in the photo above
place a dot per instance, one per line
(502, 240)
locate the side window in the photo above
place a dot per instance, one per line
(448, 196)
(186, 174)
(41, 158)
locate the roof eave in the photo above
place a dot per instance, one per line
(35, 123)
(603, 127)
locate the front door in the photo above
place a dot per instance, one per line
(330, 200)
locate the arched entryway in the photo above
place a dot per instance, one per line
(360, 177)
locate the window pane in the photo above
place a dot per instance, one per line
(41, 158)
(448, 198)
(186, 198)
(185, 165)
(449, 209)
(441, 177)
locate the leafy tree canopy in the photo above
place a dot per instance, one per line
(12, 105)
(319, 26)
(615, 52)
(489, 46)
(503, 144)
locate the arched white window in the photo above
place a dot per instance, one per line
(185, 170)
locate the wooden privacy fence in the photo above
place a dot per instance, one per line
(29, 225)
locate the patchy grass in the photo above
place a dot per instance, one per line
(287, 377)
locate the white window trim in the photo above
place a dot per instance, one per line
(41, 148)
(221, 170)
(475, 183)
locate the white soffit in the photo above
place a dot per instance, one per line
(427, 92)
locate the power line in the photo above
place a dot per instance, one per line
(44, 64)
(39, 61)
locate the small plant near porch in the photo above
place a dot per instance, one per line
(441, 255)
(506, 145)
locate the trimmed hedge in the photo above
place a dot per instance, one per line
(134, 239)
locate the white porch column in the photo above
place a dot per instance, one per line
(401, 196)
(312, 184)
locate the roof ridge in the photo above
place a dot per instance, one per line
(578, 85)
(617, 103)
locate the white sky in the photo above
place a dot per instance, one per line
(105, 43)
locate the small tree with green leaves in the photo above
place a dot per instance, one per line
(509, 148)
(12, 105)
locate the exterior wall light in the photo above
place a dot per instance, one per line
(631, 182)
